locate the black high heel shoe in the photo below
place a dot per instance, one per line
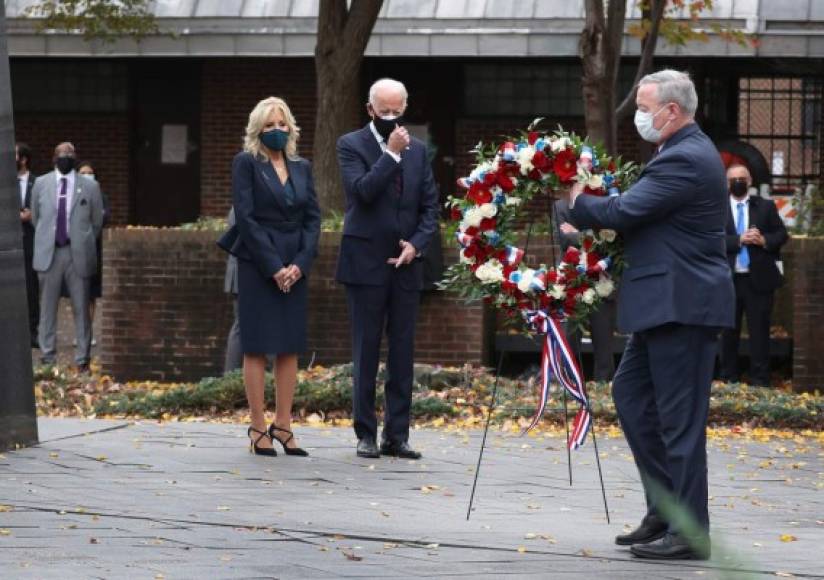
(287, 450)
(253, 447)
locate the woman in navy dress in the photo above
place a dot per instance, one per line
(278, 224)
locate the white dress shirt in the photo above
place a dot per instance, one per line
(382, 143)
(24, 182)
(70, 184)
(734, 206)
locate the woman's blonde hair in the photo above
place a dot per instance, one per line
(257, 120)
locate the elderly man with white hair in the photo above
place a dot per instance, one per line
(676, 296)
(391, 217)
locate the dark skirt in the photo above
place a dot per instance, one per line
(271, 322)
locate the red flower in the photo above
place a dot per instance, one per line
(505, 182)
(593, 191)
(569, 304)
(572, 255)
(587, 245)
(540, 161)
(456, 214)
(592, 259)
(545, 300)
(551, 277)
(490, 178)
(479, 193)
(534, 174)
(472, 231)
(532, 137)
(565, 165)
(611, 166)
(488, 224)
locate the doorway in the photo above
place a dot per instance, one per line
(166, 146)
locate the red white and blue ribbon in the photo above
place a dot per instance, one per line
(559, 361)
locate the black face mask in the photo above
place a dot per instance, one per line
(386, 126)
(65, 164)
(739, 187)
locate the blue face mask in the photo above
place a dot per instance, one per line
(275, 139)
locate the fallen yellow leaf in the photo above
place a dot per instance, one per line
(788, 538)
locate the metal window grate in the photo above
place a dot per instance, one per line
(781, 117)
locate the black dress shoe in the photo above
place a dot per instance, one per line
(402, 450)
(652, 528)
(368, 448)
(674, 547)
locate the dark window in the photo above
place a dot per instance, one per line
(781, 116)
(525, 89)
(73, 86)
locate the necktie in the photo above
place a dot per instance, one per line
(743, 254)
(62, 236)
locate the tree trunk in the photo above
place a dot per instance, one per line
(341, 40)
(600, 49)
(18, 422)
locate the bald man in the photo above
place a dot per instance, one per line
(755, 234)
(67, 215)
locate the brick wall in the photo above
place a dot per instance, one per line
(165, 316)
(102, 139)
(231, 88)
(808, 313)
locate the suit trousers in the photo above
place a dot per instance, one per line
(601, 330)
(371, 310)
(62, 270)
(662, 392)
(758, 308)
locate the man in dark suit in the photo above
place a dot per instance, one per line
(676, 294)
(602, 321)
(755, 234)
(25, 179)
(391, 217)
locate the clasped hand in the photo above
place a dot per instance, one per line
(408, 253)
(287, 277)
(753, 237)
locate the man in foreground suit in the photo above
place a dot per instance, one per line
(22, 154)
(67, 214)
(391, 217)
(755, 234)
(676, 295)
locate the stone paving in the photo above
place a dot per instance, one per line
(109, 499)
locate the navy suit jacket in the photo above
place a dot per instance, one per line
(764, 274)
(269, 232)
(379, 215)
(672, 221)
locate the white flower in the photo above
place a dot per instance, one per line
(607, 235)
(559, 144)
(558, 291)
(472, 218)
(526, 279)
(604, 286)
(595, 181)
(490, 272)
(484, 167)
(524, 158)
(588, 297)
(512, 200)
(488, 210)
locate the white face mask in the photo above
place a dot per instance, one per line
(644, 124)
(89, 176)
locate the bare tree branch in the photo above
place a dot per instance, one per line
(647, 52)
